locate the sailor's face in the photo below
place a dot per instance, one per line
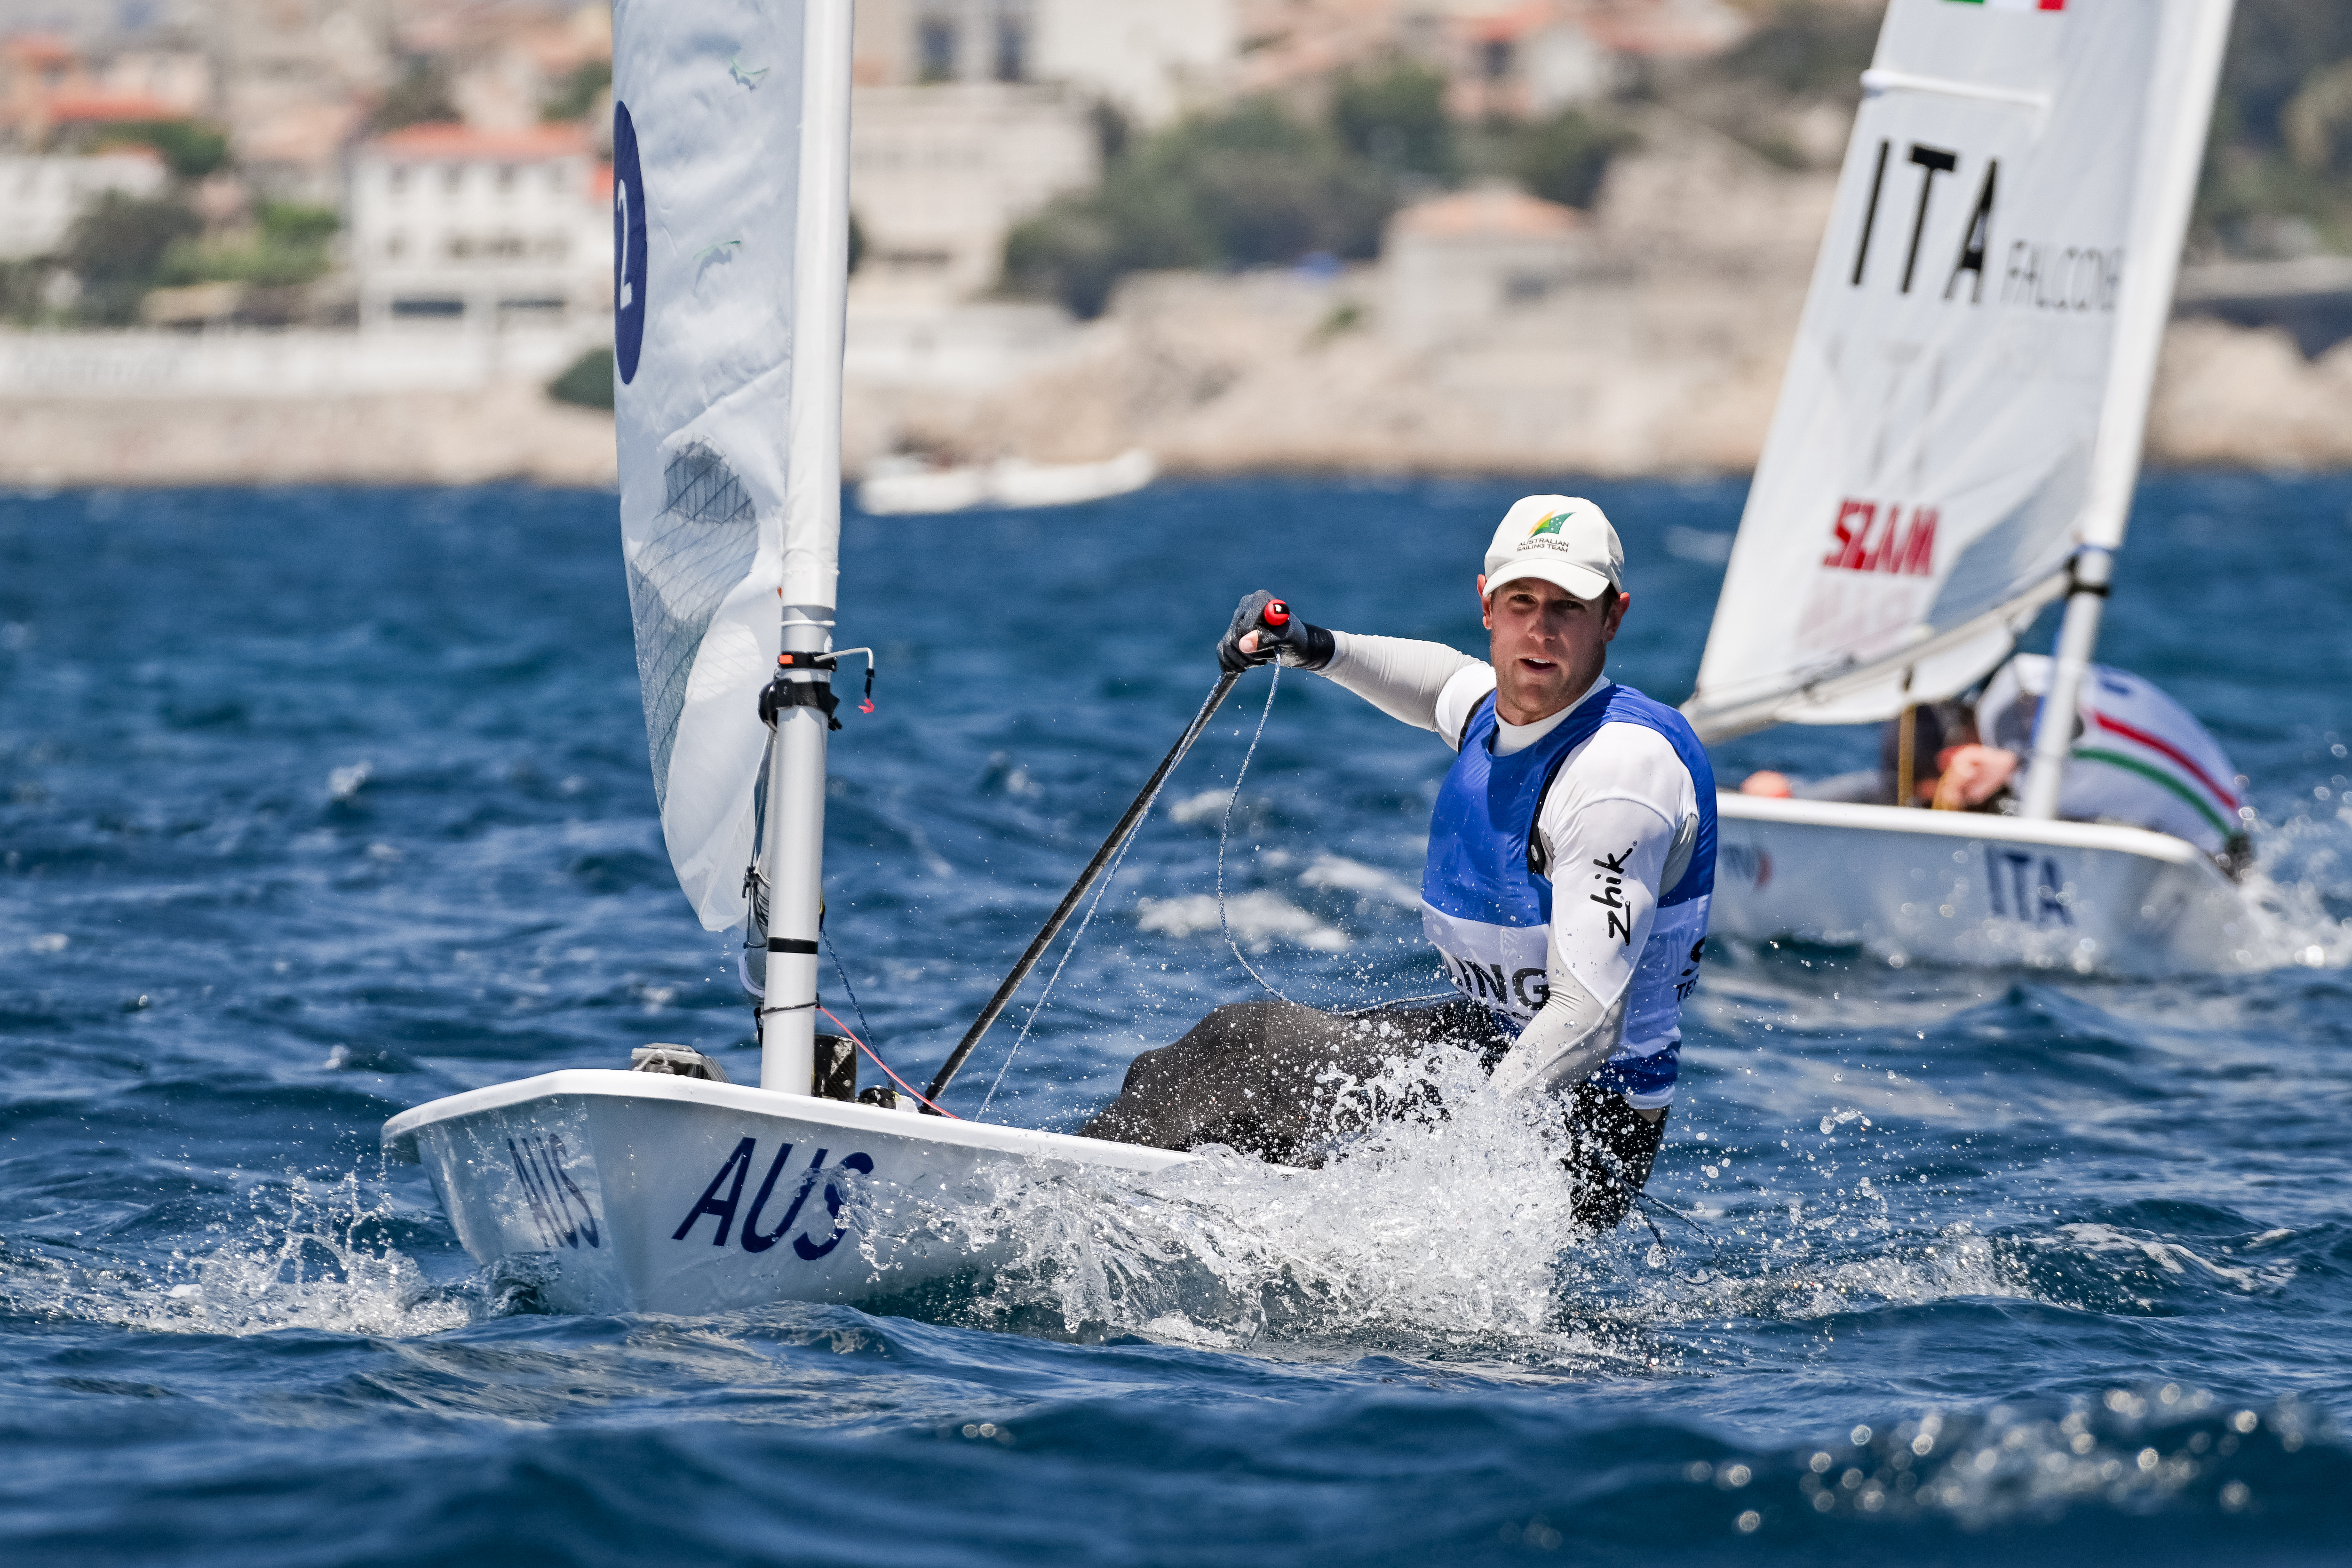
(1546, 645)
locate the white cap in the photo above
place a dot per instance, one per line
(1564, 539)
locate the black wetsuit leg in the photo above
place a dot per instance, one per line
(1265, 1077)
(1270, 1078)
(1611, 1147)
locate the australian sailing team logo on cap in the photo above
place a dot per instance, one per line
(1549, 525)
(628, 245)
(2013, 4)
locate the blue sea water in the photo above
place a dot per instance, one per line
(315, 805)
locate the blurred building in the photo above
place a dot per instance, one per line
(42, 194)
(487, 228)
(1457, 266)
(1508, 58)
(297, 80)
(509, 67)
(972, 115)
(938, 175)
(49, 85)
(1150, 60)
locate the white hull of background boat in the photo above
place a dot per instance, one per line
(618, 1191)
(1958, 887)
(1010, 483)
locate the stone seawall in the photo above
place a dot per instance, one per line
(511, 431)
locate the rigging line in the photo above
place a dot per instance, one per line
(1659, 1234)
(1226, 831)
(1643, 1204)
(1039, 1006)
(879, 1062)
(1705, 1234)
(841, 970)
(1136, 812)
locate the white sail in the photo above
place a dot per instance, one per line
(1964, 404)
(707, 120)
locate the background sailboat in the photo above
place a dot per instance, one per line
(1955, 447)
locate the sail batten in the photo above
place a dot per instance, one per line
(1963, 403)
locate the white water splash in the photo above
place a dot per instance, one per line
(2300, 862)
(1200, 807)
(1259, 920)
(1355, 877)
(2176, 1257)
(303, 1262)
(1432, 1235)
(2292, 925)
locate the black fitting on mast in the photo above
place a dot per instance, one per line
(2094, 581)
(816, 691)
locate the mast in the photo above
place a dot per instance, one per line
(2191, 64)
(794, 837)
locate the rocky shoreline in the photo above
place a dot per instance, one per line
(1210, 390)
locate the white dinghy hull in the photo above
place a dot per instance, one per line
(1958, 887)
(630, 1192)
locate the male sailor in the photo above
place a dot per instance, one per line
(1571, 859)
(2138, 758)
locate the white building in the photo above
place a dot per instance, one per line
(491, 228)
(1460, 266)
(1151, 59)
(297, 77)
(1154, 59)
(972, 115)
(938, 175)
(40, 196)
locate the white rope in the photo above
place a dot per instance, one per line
(1227, 831)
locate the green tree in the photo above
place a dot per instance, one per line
(1809, 50)
(190, 149)
(586, 381)
(289, 248)
(1395, 119)
(2285, 69)
(421, 97)
(20, 290)
(576, 94)
(1563, 159)
(117, 247)
(1250, 187)
(2276, 47)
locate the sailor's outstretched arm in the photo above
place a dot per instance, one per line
(1400, 678)
(1608, 858)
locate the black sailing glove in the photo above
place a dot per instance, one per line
(1280, 634)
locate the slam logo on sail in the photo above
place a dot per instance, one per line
(2014, 4)
(1867, 537)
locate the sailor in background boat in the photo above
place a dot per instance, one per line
(1571, 859)
(2138, 758)
(1941, 741)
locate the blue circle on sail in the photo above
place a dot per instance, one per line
(628, 245)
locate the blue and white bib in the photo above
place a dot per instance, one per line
(1487, 892)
